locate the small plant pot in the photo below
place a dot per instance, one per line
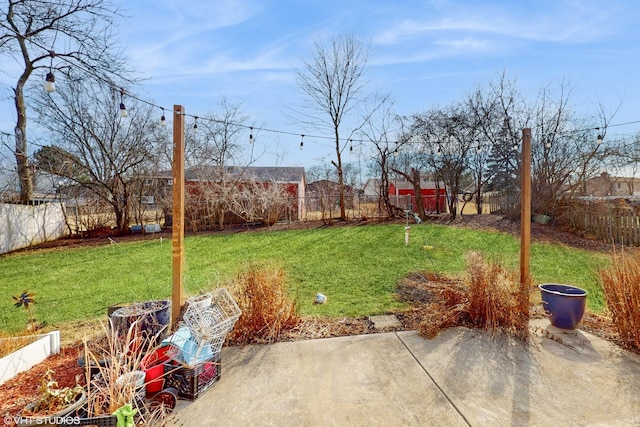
(153, 366)
(43, 419)
(145, 323)
(165, 400)
(541, 219)
(565, 304)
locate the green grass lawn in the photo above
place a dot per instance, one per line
(357, 267)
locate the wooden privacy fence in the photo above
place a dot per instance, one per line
(611, 222)
(507, 203)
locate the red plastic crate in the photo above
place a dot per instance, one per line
(192, 383)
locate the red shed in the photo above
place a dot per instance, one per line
(402, 194)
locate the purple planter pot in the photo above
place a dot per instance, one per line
(565, 304)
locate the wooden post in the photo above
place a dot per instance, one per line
(177, 230)
(525, 217)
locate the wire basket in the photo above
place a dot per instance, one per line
(207, 324)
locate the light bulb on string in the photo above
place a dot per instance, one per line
(49, 82)
(548, 144)
(123, 109)
(50, 79)
(163, 119)
(301, 142)
(351, 145)
(251, 135)
(195, 125)
(599, 139)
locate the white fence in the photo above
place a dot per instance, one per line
(24, 225)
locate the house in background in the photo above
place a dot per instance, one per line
(325, 195)
(608, 185)
(372, 187)
(434, 199)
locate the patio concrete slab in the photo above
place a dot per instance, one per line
(348, 381)
(561, 378)
(462, 377)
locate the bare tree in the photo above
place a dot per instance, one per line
(383, 131)
(333, 84)
(264, 202)
(62, 36)
(321, 192)
(447, 136)
(209, 152)
(564, 149)
(95, 148)
(496, 112)
(622, 157)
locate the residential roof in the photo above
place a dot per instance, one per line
(245, 173)
(406, 185)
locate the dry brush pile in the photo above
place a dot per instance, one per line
(488, 298)
(267, 308)
(621, 285)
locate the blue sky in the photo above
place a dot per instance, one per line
(424, 53)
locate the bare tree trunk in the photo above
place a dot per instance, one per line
(343, 214)
(25, 174)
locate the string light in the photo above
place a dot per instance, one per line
(251, 135)
(163, 119)
(123, 109)
(50, 79)
(548, 144)
(301, 142)
(351, 145)
(49, 82)
(195, 124)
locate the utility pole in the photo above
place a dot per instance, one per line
(525, 218)
(177, 228)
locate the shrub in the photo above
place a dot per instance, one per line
(621, 285)
(267, 308)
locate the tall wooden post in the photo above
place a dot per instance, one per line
(177, 230)
(525, 217)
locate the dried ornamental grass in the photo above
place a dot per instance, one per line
(489, 299)
(621, 286)
(495, 299)
(267, 308)
(117, 359)
(446, 305)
